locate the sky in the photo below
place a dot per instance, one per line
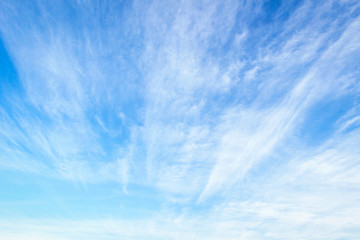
(219, 120)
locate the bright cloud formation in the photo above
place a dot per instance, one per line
(179, 120)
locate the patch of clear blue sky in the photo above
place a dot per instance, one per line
(9, 79)
(31, 196)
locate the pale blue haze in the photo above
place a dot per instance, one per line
(179, 120)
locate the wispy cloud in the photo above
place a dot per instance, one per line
(241, 117)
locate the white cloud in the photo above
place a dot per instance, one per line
(199, 101)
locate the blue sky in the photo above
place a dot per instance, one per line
(179, 120)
